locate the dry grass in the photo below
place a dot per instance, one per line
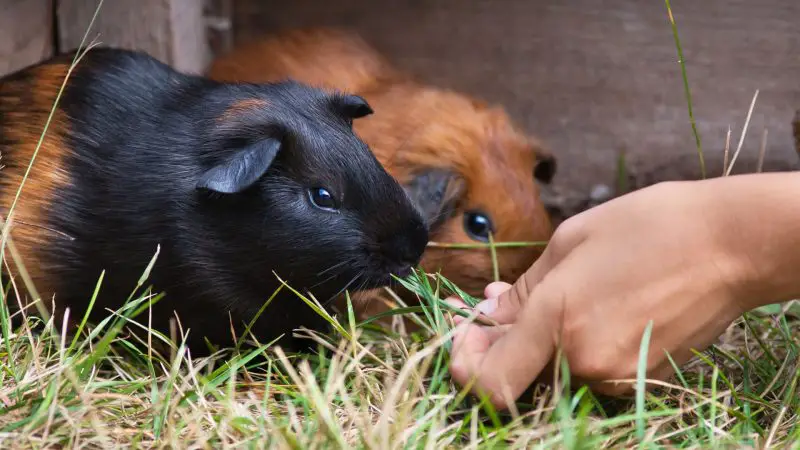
(371, 388)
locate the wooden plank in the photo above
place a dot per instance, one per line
(171, 30)
(219, 22)
(25, 33)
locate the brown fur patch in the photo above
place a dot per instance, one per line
(317, 56)
(242, 107)
(24, 109)
(417, 126)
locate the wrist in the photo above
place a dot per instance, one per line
(756, 223)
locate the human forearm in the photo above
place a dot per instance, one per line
(759, 221)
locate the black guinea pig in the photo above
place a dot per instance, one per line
(234, 181)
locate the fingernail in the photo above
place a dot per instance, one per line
(487, 306)
(453, 301)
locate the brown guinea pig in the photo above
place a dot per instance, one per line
(468, 167)
(324, 57)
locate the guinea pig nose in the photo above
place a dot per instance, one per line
(406, 248)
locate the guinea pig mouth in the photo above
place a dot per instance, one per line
(401, 271)
(385, 276)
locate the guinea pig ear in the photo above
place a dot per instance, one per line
(242, 170)
(546, 167)
(354, 106)
(436, 193)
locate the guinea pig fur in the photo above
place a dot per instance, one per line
(466, 165)
(319, 56)
(236, 183)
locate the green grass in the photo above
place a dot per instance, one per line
(369, 386)
(686, 89)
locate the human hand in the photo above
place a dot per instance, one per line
(667, 253)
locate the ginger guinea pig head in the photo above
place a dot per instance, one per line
(471, 173)
(294, 188)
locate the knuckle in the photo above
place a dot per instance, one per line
(567, 235)
(569, 227)
(459, 371)
(521, 291)
(597, 364)
(462, 371)
(497, 391)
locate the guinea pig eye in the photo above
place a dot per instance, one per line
(322, 198)
(478, 226)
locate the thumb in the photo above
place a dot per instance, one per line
(504, 360)
(504, 367)
(493, 290)
(504, 301)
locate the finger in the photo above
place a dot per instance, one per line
(475, 336)
(493, 290)
(456, 302)
(470, 314)
(505, 308)
(505, 368)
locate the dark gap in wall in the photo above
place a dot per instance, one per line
(54, 27)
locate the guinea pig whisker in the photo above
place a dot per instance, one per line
(334, 296)
(360, 286)
(339, 264)
(330, 277)
(334, 274)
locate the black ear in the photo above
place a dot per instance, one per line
(354, 106)
(436, 193)
(546, 167)
(242, 170)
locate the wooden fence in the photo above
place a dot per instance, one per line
(183, 33)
